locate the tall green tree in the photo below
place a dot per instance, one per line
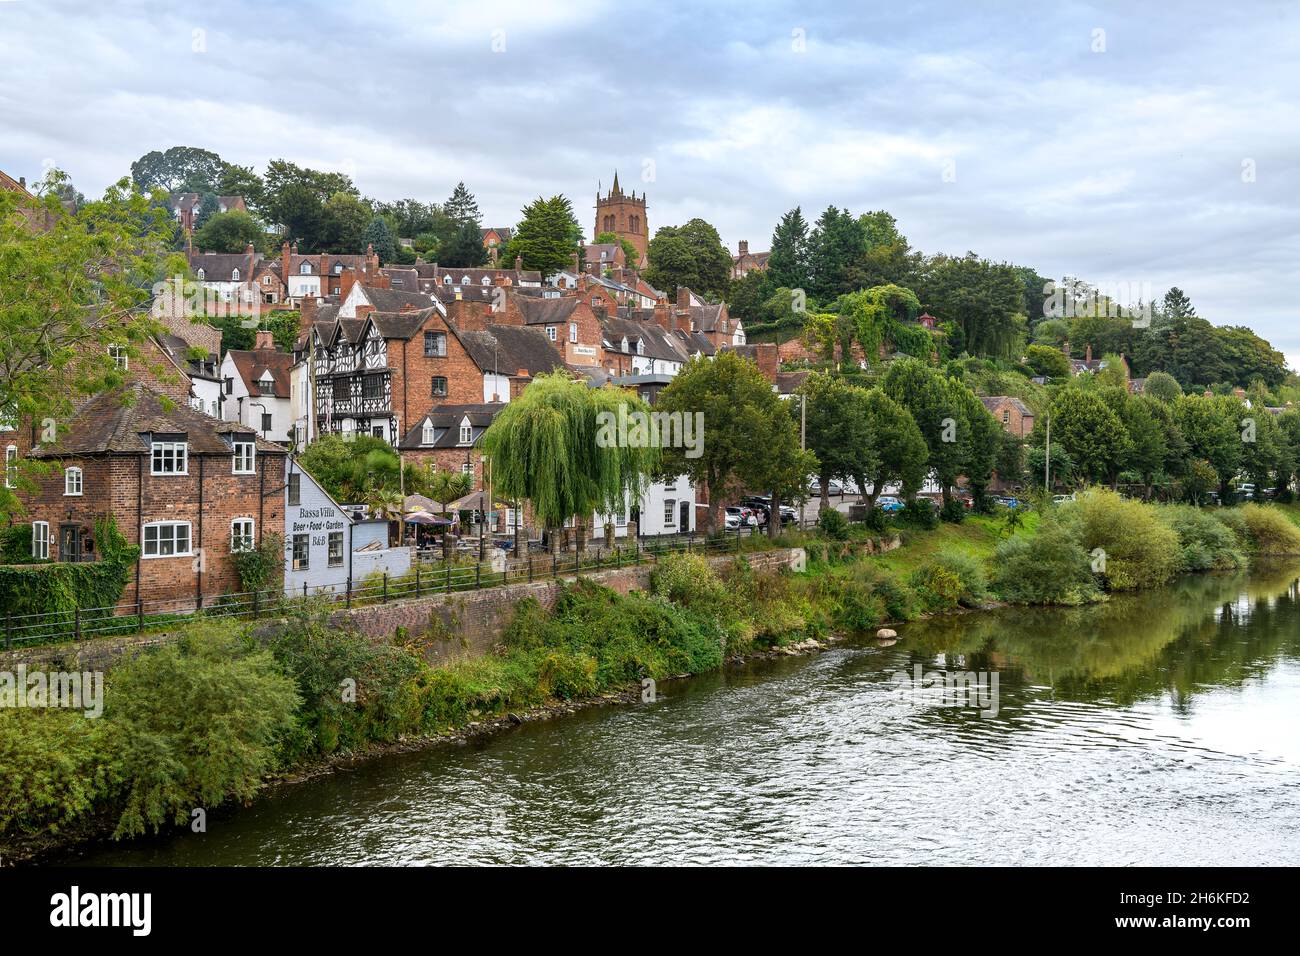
(901, 452)
(462, 207)
(377, 234)
(690, 255)
(1213, 428)
(1091, 433)
(465, 249)
(835, 249)
(547, 236)
(938, 411)
(1177, 305)
(229, 232)
(737, 403)
(178, 169)
(787, 262)
(838, 431)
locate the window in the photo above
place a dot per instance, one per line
(295, 488)
(446, 280)
(550, 332)
(266, 421)
(11, 466)
(342, 389)
(573, 331)
(377, 431)
(72, 481)
(234, 275)
(336, 549)
(301, 553)
(1006, 416)
(230, 385)
(640, 346)
(241, 535)
(467, 468)
(466, 433)
(426, 436)
(170, 458)
(439, 387)
(435, 344)
(372, 386)
(669, 508)
(245, 452)
(166, 539)
(120, 357)
(265, 386)
(338, 268)
(40, 539)
(305, 269)
(202, 275)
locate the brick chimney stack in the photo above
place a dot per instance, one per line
(1087, 353)
(263, 340)
(252, 262)
(347, 279)
(744, 247)
(683, 297)
(663, 314)
(519, 263)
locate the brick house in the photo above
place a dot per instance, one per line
(185, 487)
(185, 207)
(745, 262)
(1012, 414)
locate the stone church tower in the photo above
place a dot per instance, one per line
(624, 216)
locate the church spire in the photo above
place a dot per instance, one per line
(615, 190)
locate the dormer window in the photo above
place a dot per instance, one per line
(234, 275)
(169, 458)
(486, 281)
(245, 457)
(464, 280)
(640, 347)
(338, 268)
(305, 269)
(466, 433)
(265, 386)
(624, 346)
(426, 436)
(446, 280)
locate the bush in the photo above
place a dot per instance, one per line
(1139, 550)
(1205, 542)
(969, 572)
(1270, 531)
(196, 723)
(833, 524)
(919, 513)
(938, 588)
(953, 512)
(687, 579)
(1051, 567)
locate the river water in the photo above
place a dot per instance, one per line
(1157, 729)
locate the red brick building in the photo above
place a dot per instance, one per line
(185, 487)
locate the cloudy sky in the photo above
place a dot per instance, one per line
(1152, 144)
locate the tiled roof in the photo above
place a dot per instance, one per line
(252, 366)
(114, 421)
(218, 266)
(446, 421)
(994, 402)
(402, 325)
(508, 348)
(392, 300)
(546, 311)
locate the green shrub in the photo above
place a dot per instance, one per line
(1140, 550)
(1270, 531)
(919, 513)
(1050, 567)
(196, 723)
(938, 588)
(953, 512)
(687, 579)
(833, 524)
(969, 573)
(1205, 542)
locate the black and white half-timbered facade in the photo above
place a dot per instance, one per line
(354, 384)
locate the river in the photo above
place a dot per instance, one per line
(1156, 729)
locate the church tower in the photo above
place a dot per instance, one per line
(624, 216)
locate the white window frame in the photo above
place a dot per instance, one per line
(120, 357)
(550, 332)
(11, 466)
(466, 433)
(426, 434)
(180, 454)
(234, 275)
(239, 540)
(68, 475)
(41, 539)
(293, 553)
(248, 460)
(330, 538)
(670, 512)
(158, 539)
(573, 331)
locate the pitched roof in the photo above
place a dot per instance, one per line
(994, 402)
(546, 311)
(113, 422)
(253, 366)
(392, 300)
(219, 266)
(402, 325)
(508, 348)
(657, 342)
(446, 420)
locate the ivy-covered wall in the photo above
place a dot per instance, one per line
(59, 588)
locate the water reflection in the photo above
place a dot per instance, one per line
(1157, 729)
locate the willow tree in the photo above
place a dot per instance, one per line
(554, 447)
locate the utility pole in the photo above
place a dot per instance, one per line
(1047, 461)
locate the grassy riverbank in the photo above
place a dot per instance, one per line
(208, 720)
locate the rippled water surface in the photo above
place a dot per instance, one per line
(1160, 729)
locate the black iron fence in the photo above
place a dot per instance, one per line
(428, 575)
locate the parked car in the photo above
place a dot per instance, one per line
(1006, 501)
(1061, 499)
(888, 503)
(1246, 491)
(731, 519)
(743, 516)
(833, 487)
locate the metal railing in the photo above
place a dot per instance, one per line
(426, 577)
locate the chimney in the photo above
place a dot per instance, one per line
(1065, 347)
(744, 247)
(284, 264)
(372, 263)
(347, 279)
(663, 314)
(307, 314)
(263, 340)
(519, 263)
(573, 262)
(22, 181)
(765, 354)
(1087, 354)
(683, 297)
(582, 282)
(252, 261)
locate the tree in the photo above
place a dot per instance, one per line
(447, 486)
(353, 469)
(1048, 361)
(378, 235)
(901, 451)
(1213, 430)
(178, 169)
(738, 404)
(690, 255)
(547, 236)
(837, 431)
(1091, 432)
(984, 299)
(1177, 305)
(344, 219)
(983, 444)
(1164, 387)
(746, 297)
(229, 232)
(835, 249)
(208, 207)
(462, 207)
(242, 181)
(70, 291)
(295, 198)
(552, 447)
(787, 262)
(936, 408)
(1149, 446)
(465, 248)
(631, 254)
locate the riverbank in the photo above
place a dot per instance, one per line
(312, 697)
